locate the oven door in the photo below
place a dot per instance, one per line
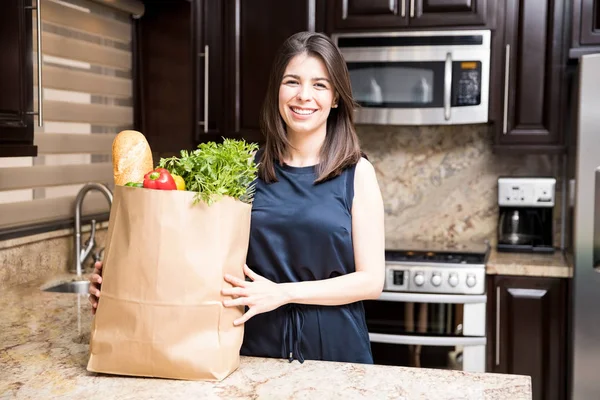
(428, 330)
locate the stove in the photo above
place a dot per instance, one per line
(426, 268)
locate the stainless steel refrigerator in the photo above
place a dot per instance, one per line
(584, 174)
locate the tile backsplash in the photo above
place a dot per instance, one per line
(439, 183)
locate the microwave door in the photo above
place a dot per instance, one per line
(419, 86)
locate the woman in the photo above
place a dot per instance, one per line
(317, 235)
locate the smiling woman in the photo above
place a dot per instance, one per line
(317, 237)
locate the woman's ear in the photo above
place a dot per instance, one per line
(336, 98)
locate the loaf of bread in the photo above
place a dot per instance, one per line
(131, 157)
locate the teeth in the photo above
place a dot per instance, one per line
(302, 112)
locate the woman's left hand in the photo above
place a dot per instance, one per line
(260, 295)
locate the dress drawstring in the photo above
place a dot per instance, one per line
(292, 333)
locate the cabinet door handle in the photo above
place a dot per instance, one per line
(38, 17)
(447, 85)
(506, 82)
(596, 242)
(403, 8)
(497, 325)
(412, 8)
(527, 293)
(206, 75)
(344, 9)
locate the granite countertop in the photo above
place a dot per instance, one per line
(44, 342)
(529, 264)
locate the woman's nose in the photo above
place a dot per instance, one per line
(304, 93)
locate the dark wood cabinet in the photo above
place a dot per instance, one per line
(526, 330)
(370, 14)
(16, 79)
(528, 76)
(178, 72)
(452, 12)
(253, 33)
(585, 30)
(203, 66)
(382, 14)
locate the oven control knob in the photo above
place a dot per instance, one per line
(471, 280)
(436, 280)
(453, 280)
(419, 279)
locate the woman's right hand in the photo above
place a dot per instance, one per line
(95, 283)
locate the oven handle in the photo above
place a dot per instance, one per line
(426, 340)
(432, 298)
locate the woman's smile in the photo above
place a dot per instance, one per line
(302, 112)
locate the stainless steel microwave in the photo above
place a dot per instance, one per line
(419, 78)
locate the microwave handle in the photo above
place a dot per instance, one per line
(427, 340)
(432, 298)
(447, 85)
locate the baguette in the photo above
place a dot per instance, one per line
(131, 157)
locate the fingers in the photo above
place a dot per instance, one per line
(94, 302)
(235, 281)
(234, 291)
(249, 314)
(240, 301)
(98, 266)
(250, 274)
(95, 278)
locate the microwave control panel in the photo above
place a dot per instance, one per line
(466, 83)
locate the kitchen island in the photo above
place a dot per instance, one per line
(44, 342)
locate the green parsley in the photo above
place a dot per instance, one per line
(214, 170)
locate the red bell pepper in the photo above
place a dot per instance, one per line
(159, 179)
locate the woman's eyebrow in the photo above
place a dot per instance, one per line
(298, 78)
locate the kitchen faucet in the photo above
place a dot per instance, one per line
(82, 254)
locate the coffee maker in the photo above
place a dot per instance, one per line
(526, 214)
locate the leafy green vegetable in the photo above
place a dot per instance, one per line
(214, 170)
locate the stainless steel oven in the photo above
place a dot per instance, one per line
(419, 78)
(432, 312)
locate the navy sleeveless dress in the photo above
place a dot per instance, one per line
(303, 232)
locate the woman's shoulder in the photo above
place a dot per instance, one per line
(365, 172)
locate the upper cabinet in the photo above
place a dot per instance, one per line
(16, 79)
(254, 31)
(203, 66)
(585, 33)
(387, 14)
(527, 76)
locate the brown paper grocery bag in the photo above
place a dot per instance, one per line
(160, 312)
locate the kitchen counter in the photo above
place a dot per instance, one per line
(44, 341)
(525, 264)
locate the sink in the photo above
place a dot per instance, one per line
(79, 287)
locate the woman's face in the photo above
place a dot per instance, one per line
(306, 95)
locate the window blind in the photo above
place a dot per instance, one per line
(87, 100)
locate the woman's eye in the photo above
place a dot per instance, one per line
(292, 82)
(321, 86)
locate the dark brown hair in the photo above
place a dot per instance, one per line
(341, 147)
